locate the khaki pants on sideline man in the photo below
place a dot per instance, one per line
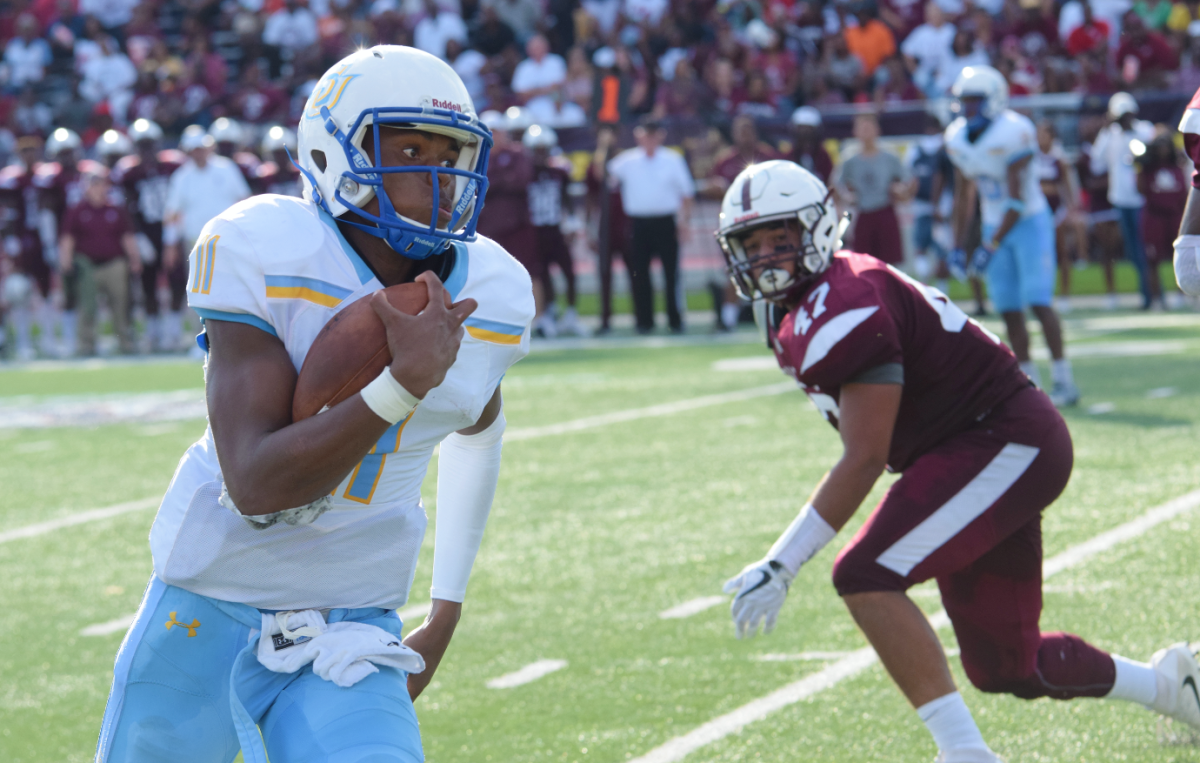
(112, 278)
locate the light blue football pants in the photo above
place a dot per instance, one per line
(1022, 271)
(188, 688)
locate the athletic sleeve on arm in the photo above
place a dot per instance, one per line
(225, 278)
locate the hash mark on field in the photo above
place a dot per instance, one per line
(1099, 409)
(859, 660)
(115, 625)
(800, 657)
(92, 515)
(693, 607)
(1161, 392)
(753, 363)
(531, 672)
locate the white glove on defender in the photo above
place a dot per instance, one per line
(760, 591)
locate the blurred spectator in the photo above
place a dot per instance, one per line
(256, 100)
(606, 216)
(27, 55)
(579, 83)
(1090, 36)
(97, 246)
(493, 36)
(206, 66)
(756, 100)
(871, 182)
(747, 149)
(807, 150)
(288, 32)
(1153, 13)
(437, 27)
(844, 71)
(539, 78)
(1165, 187)
(872, 41)
(1058, 185)
(1114, 153)
(1144, 57)
(926, 47)
(894, 84)
(521, 16)
(656, 189)
(964, 51)
(683, 96)
(932, 175)
(505, 216)
(31, 116)
(547, 211)
(111, 14)
(109, 78)
(470, 65)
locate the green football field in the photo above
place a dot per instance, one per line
(683, 463)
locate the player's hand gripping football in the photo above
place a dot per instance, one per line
(424, 346)
(759, 590)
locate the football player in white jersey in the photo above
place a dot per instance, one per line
(992, 147)
(282, 549)
(1187, 246)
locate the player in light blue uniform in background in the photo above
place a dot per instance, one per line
(282, 549)
(992, 147)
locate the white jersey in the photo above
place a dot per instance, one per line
(1009, 138)
(280, 263)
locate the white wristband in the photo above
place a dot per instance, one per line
(1187, 264)
(805, 536)
(388, 398)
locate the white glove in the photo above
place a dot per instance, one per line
(760, 590)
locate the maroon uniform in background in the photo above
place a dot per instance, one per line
(729, 165)
(145, 187)
(983, 452)
(270, 177)
(505, 215)
(19, 199)
(814, 159)
(97, 231)
(1165, 188)
(1190, 127)
(60, 189)
(547, 193)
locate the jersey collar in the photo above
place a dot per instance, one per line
(363, 272)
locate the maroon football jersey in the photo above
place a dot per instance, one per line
(507, 207)
(1190, 127)
(19, 197)
(546, 194)
(145, 187)
(61, 187)
(862, 320)
(270, 177)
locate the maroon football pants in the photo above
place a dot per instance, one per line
(968, 514)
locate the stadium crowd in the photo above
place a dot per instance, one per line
(87, 85)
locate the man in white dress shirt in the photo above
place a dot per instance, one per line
(656, 188)
(538, 80)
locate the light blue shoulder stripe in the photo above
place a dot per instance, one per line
(249, 320)
(509, 329)
(458, 277)
(324, 287)
(360, 268)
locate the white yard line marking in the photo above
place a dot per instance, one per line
(527, 674)
(859, 660)
(800, 657)
(119, 624)
(29, 412)
(1161, 392)
(413, 611)
(662, 409)
(693, 607)
(752, 363)
(516, 433)
(1099, 409)
(1117, 349)
(92, 515)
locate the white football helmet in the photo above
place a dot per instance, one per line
(539, 136)
(980, 82)
(113, 144)
(61, 140)
(144, 129)
(769, 193)
(397, 86)
(1118, 106)
(518, 118)
(278, 138)
(194, 137)
(226, 130)
(494, 120)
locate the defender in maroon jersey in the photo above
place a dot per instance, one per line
(278, 173)
(1187, 246)
(143, 177)
(20, 218)
(914, 385)
(547, 211)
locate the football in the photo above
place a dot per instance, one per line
(350, 351)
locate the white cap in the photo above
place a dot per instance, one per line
(1121, 104)
(806, 115)
(605, 58)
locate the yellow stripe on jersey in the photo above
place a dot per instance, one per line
(204, 255)
(301, 292)
(493, 336)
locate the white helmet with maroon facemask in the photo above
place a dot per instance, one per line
(771, 193)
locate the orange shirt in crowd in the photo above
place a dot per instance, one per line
(872, 43)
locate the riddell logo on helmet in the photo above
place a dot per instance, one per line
(743, 218)
(447, 105)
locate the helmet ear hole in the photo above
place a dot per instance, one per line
(318, 158)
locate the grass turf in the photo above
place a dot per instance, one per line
(593, 533)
